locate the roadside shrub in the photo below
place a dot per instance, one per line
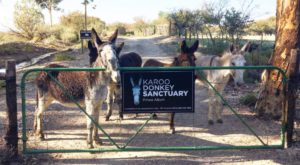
(69, 35)
(63, 57)
(248, 100)
(27, 19)
(2, 84)
(45, 31)
(50, 40)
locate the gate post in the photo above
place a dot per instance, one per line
(291, 95)
(11, 136)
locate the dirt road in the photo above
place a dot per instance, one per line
(65, 128)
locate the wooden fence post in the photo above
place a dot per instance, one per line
(291, 95)
(11, 102)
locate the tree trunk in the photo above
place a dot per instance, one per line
(270, 101)
(210, 36)
(50, 7)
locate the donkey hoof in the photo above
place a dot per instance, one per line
(40, 136)
(90, 146)
(98, 142)
(220, 121)
(106, 118)
(172, 131)
(210, 122)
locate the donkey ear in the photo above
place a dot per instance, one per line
(95, 38)
(131, 81)
(90, 45)
(183, 47)
(113, 37)
(93, 52)
(119, 48)
(246, 47)
(194, 47)
(232, 48)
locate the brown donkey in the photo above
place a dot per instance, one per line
(87, 88)
(186, 58)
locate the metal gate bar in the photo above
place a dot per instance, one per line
(125, 147)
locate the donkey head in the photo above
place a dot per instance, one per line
(105, 54)
(136, 90)
(237, 58)
(187, 57)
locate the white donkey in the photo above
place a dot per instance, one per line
(87, 88)
(136, 90)
(220, 78)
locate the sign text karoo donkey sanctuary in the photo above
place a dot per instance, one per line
(160, 88)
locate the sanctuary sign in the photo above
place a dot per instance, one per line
(154, 91)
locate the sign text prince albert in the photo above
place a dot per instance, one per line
(157, 91)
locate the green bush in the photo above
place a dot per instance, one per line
(2, 84)
(50, 40)
(69, 35)
(248, 100)
(27, 18)
(45, 32)
(63, 57)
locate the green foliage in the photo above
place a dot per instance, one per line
(49, 5)
(122, 27)
(63, 57)
(45, 32)
(50, 40)
(181, 19)
(75, 21)
(265, 26)
(140, 26)
(46, 4)
(2, 84)
(163, 18)
(248, 100)
(27, 18)
(234, 23)
(68, 35)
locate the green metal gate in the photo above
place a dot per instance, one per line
(115, 146)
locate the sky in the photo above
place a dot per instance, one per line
(126, 10)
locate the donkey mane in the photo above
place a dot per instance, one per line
(130, 59)
(156, 63)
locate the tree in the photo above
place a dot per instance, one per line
(235, 23)
(75, 21)
(263, 27)
(287, 38)
(50, 5)
(27, 19)
(212, 14)
(122, 27)
(181, 19)
(140, 25)
(196, 23)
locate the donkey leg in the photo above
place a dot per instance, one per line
(90, 125)
(117, 99)
(219, 107)
(43, 104)
(109, 100)
(96, 138)
(171, 120)
(210, 108)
